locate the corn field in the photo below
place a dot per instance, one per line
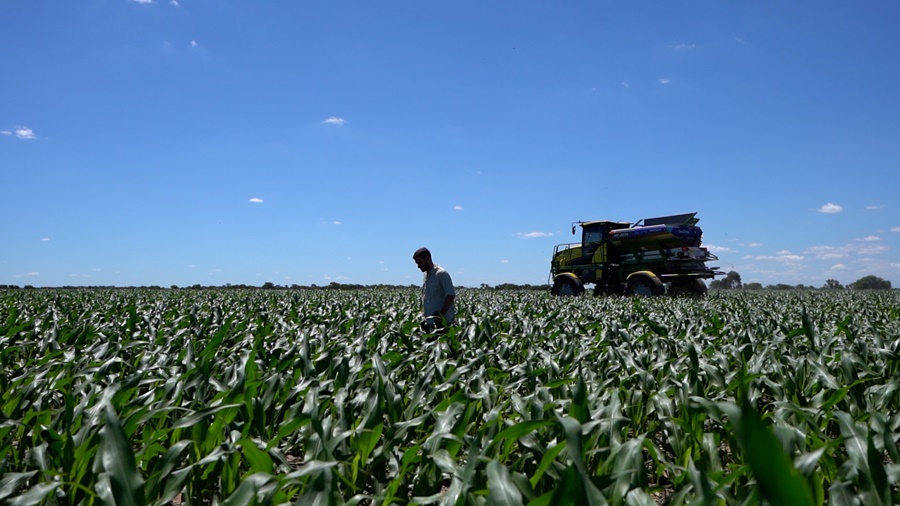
(336, 397)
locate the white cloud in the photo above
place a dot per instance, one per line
(864, 246)
(665, 81)
(828, 252)
(830, 208)
(45, 239)
(5, 132)
(504, 261)
(79, 275)
(781, 256)
(718, 249)
(143, 2)
(24, 133)
(874, 249)
(335, 222)
(895, 229)
(256, 200)
(753, 244)
(174, 3)
(532, 235)
(873, 207)
(625, 85)
(194, 43)
(683, 46)
(334, 120)
(458, 208)
(838, 267)
(27, 275)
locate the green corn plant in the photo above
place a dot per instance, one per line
(249, 396)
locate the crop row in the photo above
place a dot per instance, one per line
(336, 397)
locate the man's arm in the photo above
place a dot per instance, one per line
(448, 302)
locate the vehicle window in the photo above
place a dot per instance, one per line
(593, 236)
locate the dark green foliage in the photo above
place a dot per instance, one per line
(871, 283)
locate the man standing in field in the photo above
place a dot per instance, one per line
(437, 292)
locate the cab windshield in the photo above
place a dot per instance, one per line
(593, 235)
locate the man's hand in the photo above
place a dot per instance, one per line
(439, 319)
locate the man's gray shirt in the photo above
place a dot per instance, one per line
(435, 289)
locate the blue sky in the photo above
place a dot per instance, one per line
(197, 141)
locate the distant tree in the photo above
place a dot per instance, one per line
(753, 286)
(833, 284)
(334, 285)
(731, 281)
(780, 286)
(871, 283)
(513, 286)
(268, 285)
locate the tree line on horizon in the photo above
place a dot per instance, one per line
(731, 281)
(268, 285)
